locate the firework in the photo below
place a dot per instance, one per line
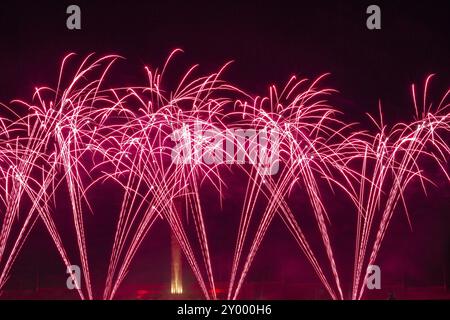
(162, 141)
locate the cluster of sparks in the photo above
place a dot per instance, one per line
(81, 134)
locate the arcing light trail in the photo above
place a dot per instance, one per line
(82, 134)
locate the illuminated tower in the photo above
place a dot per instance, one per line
(176, 283)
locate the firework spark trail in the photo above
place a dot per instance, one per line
(55, 131)
(13, 187)
(396, 156)
(18, 182)
(73, 114)
(170, 181)
(130, 129)
(160, 200)
(309, 115)
(26, 185)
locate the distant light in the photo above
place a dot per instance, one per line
(176, 284)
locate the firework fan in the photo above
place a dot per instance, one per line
(162, 142)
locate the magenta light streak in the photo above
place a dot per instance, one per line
(82, 134)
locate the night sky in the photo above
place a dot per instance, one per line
(268, 43)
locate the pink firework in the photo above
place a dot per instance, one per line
(162, 142)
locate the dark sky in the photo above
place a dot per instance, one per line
(268, 43)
